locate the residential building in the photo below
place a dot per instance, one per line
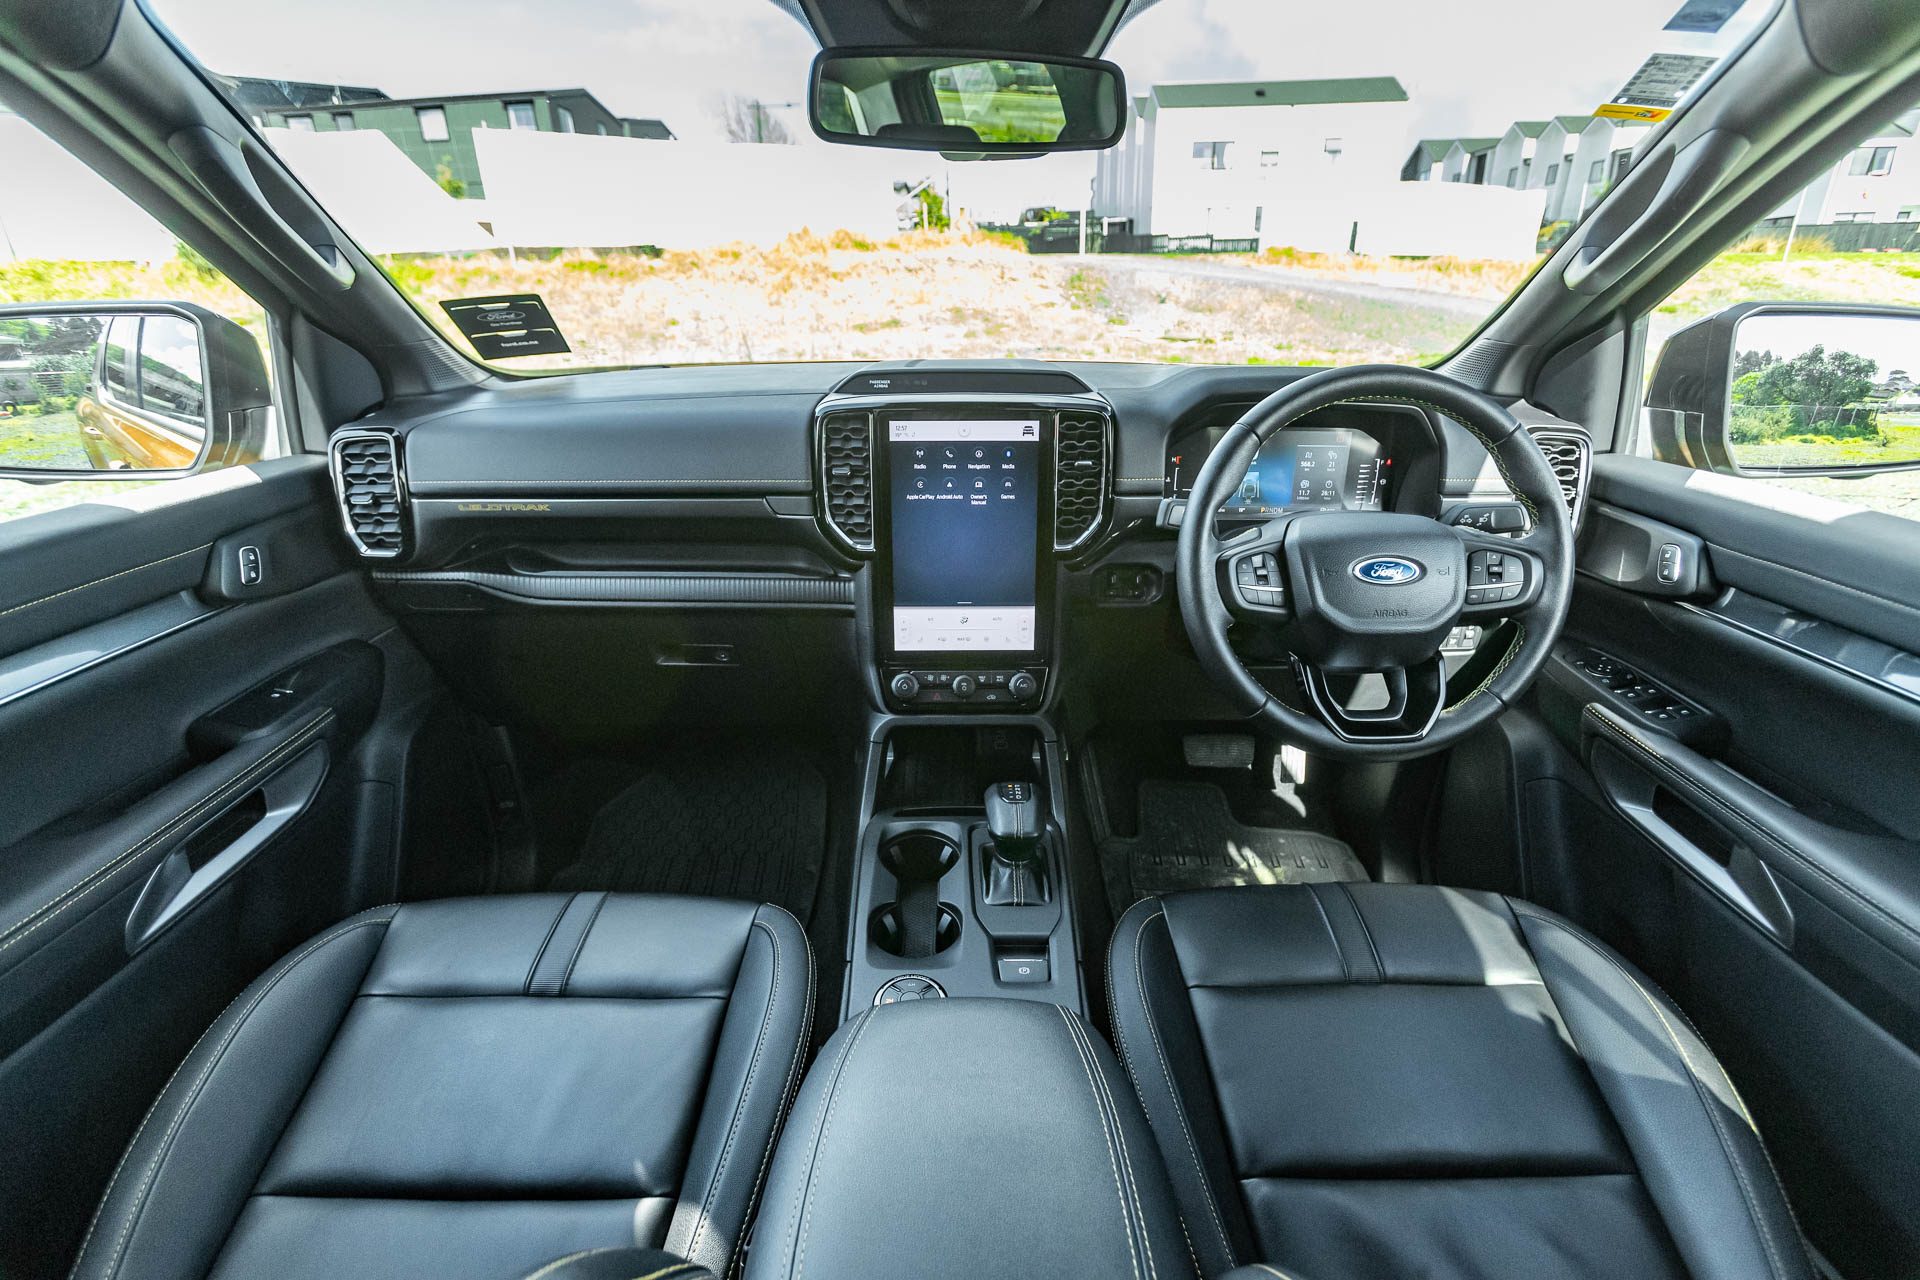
(1221, 158)
(436, 133)
(1878, 181)
(1469, 160)
(1427, 161)
(1512, 163)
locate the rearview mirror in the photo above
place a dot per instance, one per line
(1783, 389)
(968, 103)
(99, 390)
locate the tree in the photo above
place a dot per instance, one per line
(443, 174)
(1814, 377)
(1751, 361)
(750, 120)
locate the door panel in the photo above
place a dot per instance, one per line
(1784, 825)
(183, 763)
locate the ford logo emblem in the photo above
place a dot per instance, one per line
(502, 318)
(1388, 571)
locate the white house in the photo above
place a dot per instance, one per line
(1468, 160)
(1577, 157)
(1512, 163)
(1228, 159)
(1878, 181)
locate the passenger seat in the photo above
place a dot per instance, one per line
(474, 1088)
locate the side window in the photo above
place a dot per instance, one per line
(1793, 358)
(120, 391)
(172, 382)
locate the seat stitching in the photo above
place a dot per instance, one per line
(1338, 951)
(1366, 931)
(108, 578)
(821, 1133)
(1113, 1014)
(138, 1206)
(1106, 1134)
(1272, 1271)
(783, 1105)
(1120, 1133)
(746, 1089)
(1166, 1074)
(93, 879)
(1667, 771)
(1693, 1077)
(580, 944)
(541, 950)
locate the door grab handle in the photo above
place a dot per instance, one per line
(223, 843)
(1729, 868)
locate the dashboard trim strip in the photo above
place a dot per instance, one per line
(640, 588)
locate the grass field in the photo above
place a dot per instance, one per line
(841, 297)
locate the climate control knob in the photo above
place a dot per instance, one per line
(905, 687)
(1022, 686)
(963, 686)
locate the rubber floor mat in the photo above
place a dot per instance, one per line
(1189, 839)
(729, 827)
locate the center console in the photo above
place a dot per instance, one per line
(963, 502)
(960, 878)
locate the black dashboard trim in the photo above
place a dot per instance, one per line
(638, 588)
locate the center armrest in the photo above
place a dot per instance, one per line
(980, 1138)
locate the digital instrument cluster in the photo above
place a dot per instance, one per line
(1299, 469)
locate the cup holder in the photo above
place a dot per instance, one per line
(919, 855)
(916, 924)
(884, 928)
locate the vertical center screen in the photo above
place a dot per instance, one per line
(965, 509)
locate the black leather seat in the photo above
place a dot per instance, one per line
(471, 1089)
(1399, 1081)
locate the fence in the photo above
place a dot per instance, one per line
(1850, 237)
(1063, 236)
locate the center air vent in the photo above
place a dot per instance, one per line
(1079, 478)
(846, 476)
(1570, 454)
(372, 491)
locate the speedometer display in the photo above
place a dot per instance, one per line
(1300, 469)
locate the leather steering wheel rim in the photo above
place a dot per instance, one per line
(1521, 465)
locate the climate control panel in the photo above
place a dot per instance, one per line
(1005, 688)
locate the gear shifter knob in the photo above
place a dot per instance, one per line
(1013, 819)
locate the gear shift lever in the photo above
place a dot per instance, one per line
(1016, 873)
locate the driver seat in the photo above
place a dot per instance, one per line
(1408, 1081)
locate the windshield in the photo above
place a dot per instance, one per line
(622, 182)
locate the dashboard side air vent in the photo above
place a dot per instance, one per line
(846, 476)
(1079, 477)
(372, 489)
(1570, 454)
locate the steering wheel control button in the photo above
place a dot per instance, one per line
(1495, 577)
(908, 986)
(1256, 577)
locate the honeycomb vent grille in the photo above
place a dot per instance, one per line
(1080, 478)
(846, 466)
(367, 475)
(1571, 457)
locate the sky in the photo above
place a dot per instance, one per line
(1891, 342)
(1470, 66)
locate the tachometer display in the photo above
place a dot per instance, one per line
(1300, 469)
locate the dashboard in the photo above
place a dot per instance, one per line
(915, 537)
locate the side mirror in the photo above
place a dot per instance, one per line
(1790, 388)
(114, 390)
(966, 103)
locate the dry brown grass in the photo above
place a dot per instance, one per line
(1467, 277)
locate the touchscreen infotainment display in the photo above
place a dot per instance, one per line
(965, 509)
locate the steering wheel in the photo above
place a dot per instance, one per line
(1353, 592)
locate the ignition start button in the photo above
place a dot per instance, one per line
(908, 986)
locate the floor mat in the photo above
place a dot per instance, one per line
(1189, 839)
(731, 827)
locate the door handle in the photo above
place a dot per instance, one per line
(225, 841)
(1647, 795)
